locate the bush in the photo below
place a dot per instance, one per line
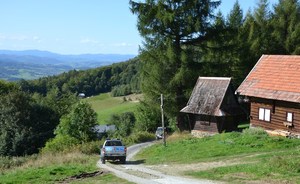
(69, 144)
(60, 143)
(148, 117)
(90, 148)
(124, 123)
(139, 137)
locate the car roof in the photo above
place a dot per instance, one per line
(107, 140)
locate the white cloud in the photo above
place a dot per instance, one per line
(17, 37)
(123, 44)
(88, 41)
(37, 39)
(2, 37)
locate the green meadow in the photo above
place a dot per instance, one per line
(105, 105)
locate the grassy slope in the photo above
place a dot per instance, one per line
(57, 168)
(260, 157)
(105, 106)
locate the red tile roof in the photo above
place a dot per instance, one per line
(274, 77)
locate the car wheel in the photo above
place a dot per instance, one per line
(123, 160)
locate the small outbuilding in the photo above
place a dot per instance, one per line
(213, 106)
(273, 89)
(102, 130)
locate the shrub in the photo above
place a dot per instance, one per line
(148, 117)
(90, 148)
(139, 137)
(60, 143)
(124, 123)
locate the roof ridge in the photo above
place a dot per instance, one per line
(219, 78)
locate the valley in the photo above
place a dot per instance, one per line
(34, 64)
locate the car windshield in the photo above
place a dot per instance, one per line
(159, 129)
(113, 143)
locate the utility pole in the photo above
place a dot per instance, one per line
(162, 118)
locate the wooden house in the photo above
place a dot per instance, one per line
(273, 89)
(213, 107)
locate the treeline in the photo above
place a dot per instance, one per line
(187, 39)
(122, 78)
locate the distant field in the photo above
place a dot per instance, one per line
(105, 105)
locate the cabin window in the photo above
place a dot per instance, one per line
(289, 117)
(264, 114)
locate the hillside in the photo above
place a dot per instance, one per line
(33, 64)
(105, 105)
(119, 78)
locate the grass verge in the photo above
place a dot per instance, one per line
(261, 158)
(278, 167)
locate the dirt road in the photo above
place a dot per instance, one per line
(135, 171)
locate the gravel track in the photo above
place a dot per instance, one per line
(136, 172)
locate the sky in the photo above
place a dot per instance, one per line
(77, 26)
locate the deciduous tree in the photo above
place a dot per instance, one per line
(79, 123)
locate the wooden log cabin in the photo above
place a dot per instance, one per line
(213, 106)
(273, 89)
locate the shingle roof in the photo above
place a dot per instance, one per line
(207, 96)
(274, 77)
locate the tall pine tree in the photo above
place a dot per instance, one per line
(286, 25)
(169, 28)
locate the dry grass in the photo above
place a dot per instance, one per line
(178, 136)
(43, 160)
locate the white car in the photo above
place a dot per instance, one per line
(113, 150)
(159, 134)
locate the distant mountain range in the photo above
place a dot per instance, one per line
(33, 64)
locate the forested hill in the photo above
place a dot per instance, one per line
(120, 78)
(30, 110)
(33, 64)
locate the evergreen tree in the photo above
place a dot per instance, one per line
(235, 17)
(260, 32)
(169, 28)
(217, 50)
(286, 25)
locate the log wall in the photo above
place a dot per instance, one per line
(278, 114)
